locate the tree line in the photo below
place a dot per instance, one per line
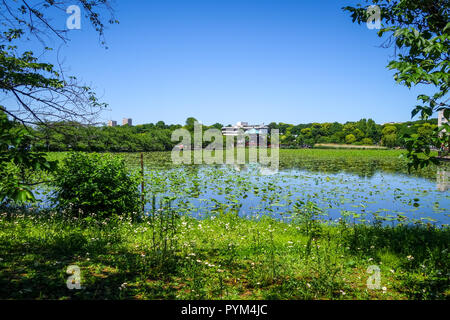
(67, 136)
(362, 132)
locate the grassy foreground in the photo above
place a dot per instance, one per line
(165, 256)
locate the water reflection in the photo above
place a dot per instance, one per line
(442, 180)
(263, 170)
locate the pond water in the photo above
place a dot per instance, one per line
(252, 190)
(352, 187)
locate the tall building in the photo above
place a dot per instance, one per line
(127, 121)
(112, 123)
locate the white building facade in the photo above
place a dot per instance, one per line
(259, 129)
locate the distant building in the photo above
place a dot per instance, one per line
(258, 129)
(112, 123)
(127, 121)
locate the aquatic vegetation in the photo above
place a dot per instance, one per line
(204, 191)
(234, 232)
(366, 184)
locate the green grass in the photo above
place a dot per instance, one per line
(172, 256)
(346, 146)
(166, 256)
(316, 153)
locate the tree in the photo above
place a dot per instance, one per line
(389, 138)
(190, 122)
(288, 138)
(41, 93)
(349, 127)
(358, 134)
(325, 130)
(273, 125)
(419, 31)
(362, 125)
(350, 138)
(372, 130)
(217, 125)
(282, 127)
(160, 125)
(16, 162)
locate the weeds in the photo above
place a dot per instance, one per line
(253, 237)
(225, 257)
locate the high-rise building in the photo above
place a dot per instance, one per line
(127, 121)
(112, 123)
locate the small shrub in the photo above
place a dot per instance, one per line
(367, 141)
(96, 184)
(350, 138)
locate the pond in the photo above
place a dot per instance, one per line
(252, 190)
(357, 185)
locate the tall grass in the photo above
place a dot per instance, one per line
(166, 256)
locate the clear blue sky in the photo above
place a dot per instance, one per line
(239, 60)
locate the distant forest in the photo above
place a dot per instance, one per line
(157, 137)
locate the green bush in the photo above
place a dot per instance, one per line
(97, 184)
(367, 141)
(350, 138)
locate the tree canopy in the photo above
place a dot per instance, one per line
(37, 91)
(419, 32)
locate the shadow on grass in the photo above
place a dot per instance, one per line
(421, 253)
(36, 269)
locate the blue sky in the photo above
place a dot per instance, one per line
(238, 60)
